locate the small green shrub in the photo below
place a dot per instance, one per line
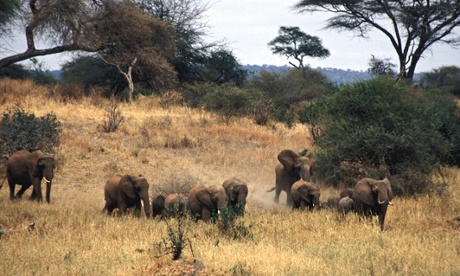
(177, 240)
(22, 130)
(231, 226)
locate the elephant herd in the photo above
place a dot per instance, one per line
(201, 202)
(368, 197)
(293, 175)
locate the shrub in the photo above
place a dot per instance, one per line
(21, 130)
(378, 128)
(113, 119)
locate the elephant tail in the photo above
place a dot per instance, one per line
(271, 190)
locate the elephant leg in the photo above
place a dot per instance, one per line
(21, 191)
(12, 186)
(33, 196)
(381, 216)
(137, 209)
(205, 214)
(277, 194)
(38, 189)
(289, 201)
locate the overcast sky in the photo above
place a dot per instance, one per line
(248, 25)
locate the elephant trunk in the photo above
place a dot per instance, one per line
(146, 202)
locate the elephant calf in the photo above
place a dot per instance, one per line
(125, 191)
(305, 195)
(237, 192)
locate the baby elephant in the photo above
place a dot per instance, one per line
(345, 205)
(176, 205)
(237, 192)
(125, 191)
(305, 195)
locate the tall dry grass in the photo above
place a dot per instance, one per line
(176, 145)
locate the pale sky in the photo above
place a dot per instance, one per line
(248, 25)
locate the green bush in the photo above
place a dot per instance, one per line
(21, 130)
(378, 128)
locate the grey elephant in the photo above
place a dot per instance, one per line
(205, 202)
(237, 192)
(372, 197)
(176, 205)
(125, 191)
(292, 168)
(345, 205)
(158, 206)
(305, 195)
(28, 169)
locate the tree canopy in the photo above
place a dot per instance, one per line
(293, 43)
(412, 26)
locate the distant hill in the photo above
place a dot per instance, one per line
(337, 76)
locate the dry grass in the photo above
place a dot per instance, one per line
(179, 146)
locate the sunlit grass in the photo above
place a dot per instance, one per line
(71, 236)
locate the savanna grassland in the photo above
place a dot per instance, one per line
(175, 147)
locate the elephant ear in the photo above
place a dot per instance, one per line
(364, 190)
(126, 186)
(390, 191)
(304, 192)
(204, 197)
(289, 159)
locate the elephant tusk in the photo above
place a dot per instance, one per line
(381, 202)
(46, 180)
(390, 203)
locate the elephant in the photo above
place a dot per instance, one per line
(372, 197)
(176, 204)
(237, 192)
(158, 206)
(332, 202)
(204, 202)
(29, 168)
(347, 192)
(125, 191)
(292, 168)
(305, 195)
(345, 205)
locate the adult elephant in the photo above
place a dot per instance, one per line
(372, 197)
(125, 191)
(237, 192)
(204, 202)
(29, 168)
(305, 195)
(292, 168)
(176, 204)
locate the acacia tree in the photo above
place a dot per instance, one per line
(412, 26)
(293, 43)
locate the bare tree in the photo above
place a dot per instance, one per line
(136, 39)
(412, 26)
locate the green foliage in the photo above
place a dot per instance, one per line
(293, 43)
(221, 66)
(445, 78)
(21, 130)
(231, 225)
(176, 240)
(378, 128)
(15, 71)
